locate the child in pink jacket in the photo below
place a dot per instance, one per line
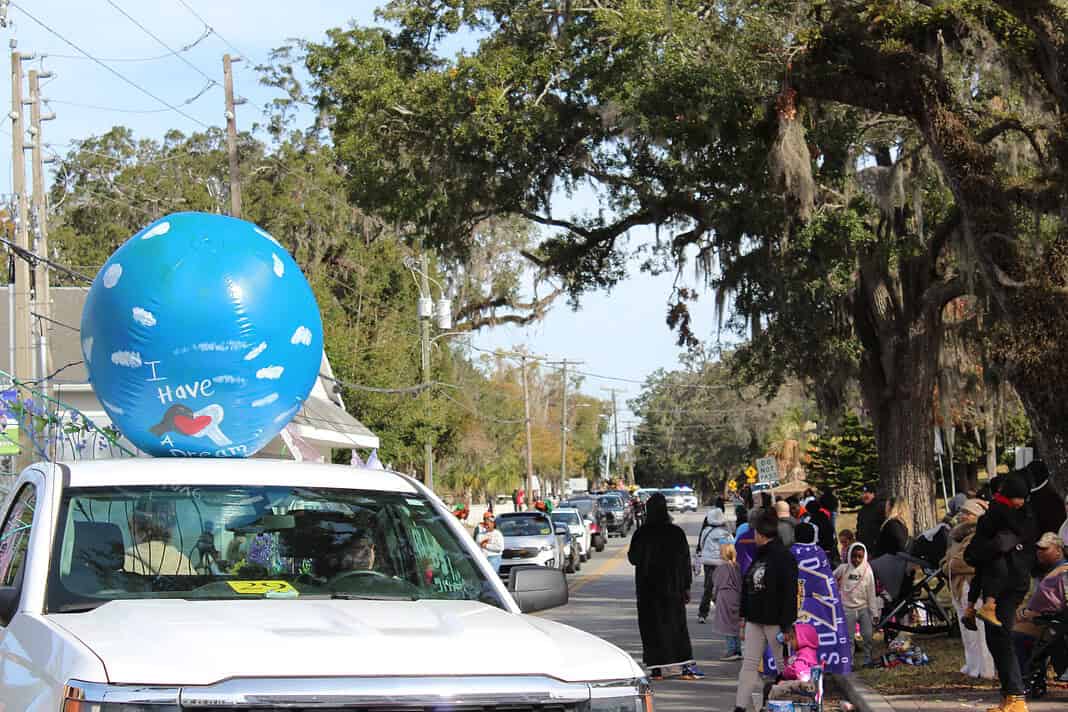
(799, 665)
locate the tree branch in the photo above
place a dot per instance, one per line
(1006, 125)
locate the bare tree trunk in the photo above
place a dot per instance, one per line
(990, 423)
(1048, 412)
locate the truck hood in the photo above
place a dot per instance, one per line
(180, 642)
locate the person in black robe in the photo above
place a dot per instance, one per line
(660, 554)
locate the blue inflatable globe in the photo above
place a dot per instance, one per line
(201, 337)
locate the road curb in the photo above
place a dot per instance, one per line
(863, 697)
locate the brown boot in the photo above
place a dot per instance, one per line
(1015, 703)
(988, 614)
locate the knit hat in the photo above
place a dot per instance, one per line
(1014, 487)
(782, 509)
(974, 506)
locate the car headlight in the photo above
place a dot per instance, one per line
(621, 696)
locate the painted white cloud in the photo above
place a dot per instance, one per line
(87, 348)
(270, 373)
(266, 400)
(256, 351)
(112, 274)
(129, 359)
(279, 266)
(226, 378)
(156, 230)
(302, 335)
(112, 407)
(266, 234)
(144, 317)
(287, 414)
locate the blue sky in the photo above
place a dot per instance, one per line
(621, 333)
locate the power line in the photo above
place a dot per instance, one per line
(33, 258)
(417, 388)
(204, 22)
(111, 70)
(122, 110)
(483, 416)
(56, 322)
(184, 48)
(163, 44)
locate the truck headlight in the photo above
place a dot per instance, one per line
(98, 697)
(621, 696)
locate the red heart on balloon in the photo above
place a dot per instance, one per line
(191, 426)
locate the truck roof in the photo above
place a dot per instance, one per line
(135, 471)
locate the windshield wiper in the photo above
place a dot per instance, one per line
(371, 597)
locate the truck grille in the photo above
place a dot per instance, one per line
(528, 552)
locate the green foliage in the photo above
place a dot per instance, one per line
(844, 462)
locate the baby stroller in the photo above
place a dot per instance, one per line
(912, 586)
(1050, 649)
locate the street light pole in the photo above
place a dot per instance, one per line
(424, 337)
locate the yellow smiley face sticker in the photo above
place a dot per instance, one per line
(261, 588)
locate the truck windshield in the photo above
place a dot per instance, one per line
(253, 543)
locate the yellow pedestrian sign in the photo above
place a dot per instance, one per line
(750, 474)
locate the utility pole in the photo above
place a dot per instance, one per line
(41, 276)
(231, 135)
(526, 419)
(630, 454)
(22, 368)
(563, 364)
(425, 316)
(615, 423)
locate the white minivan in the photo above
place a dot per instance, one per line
(156, 585)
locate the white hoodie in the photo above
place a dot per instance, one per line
(856, 584)
(713, 533)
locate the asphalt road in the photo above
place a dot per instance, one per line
(602, 603)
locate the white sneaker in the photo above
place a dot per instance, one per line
(702, 619)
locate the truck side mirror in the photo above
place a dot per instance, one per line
(9, 603)
(536, 588)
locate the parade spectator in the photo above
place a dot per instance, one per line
(1064, 527)
(1011, 591)
(820, 518)
(846, 539)
(997, 535)
(727, 589)
(977, 660)
(1049, 596)
(870, 518)
(786, 523)
(491, 541)
(660, 555)
(795, 508)
(769, 604)
(856, 583)
(1046, 502)
(713, 533)
(894, 532)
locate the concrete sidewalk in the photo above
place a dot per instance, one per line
(868, 700)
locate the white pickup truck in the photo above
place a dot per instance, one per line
(165, 585)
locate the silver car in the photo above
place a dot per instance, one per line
(530, 539)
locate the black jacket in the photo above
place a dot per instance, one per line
(1008, 533)
(1048, 506)
(769, 595)
(869, 520)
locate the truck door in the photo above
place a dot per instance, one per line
(14, 546)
